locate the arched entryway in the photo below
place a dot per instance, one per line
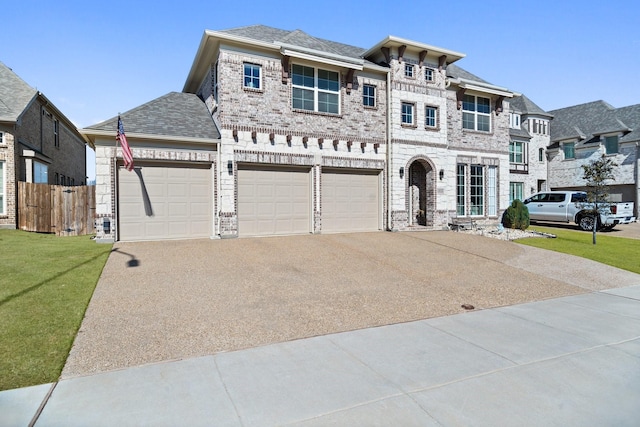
(421, 192)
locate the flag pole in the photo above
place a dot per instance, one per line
(114, 208)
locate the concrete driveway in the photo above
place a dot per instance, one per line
(159, 301)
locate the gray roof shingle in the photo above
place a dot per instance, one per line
(524, 105)
(586, 122)
(175, 114)
(459, 72)
(297, 37)
(15, 94)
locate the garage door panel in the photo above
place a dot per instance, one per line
(350, 201)
(178, 202)
(273, 201)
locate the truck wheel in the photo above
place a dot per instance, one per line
(586, 223)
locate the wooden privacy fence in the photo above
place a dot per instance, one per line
(66, 211)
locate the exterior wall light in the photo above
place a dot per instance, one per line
(441, 174)
(401, 172)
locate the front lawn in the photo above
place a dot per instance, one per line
(46, 283)
(615, 251)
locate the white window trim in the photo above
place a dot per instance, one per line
(522, 151)
(375, 103)
(492, 190)
(429, 72)
(482, 188)
(244, 76)
(413, 113)
(409, 69)
(513, 186)
(317, 90)
(604, 144)
(514, 120)
(477, 113)
(435, 116)
(564, 152)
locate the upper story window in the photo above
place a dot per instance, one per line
(611, 144)
(252, 76)
(569, 149)
(56, 133)
(431, 117)
(540, 127)
(407, 113)
(428, 74)
(369, 95)
(541, 154)
(514, 121)
(476, 113)
(315, 89)
(1, 138)
(516, 152)
(408, 70)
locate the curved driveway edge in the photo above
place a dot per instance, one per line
(158, 301)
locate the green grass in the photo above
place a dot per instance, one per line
(46, 283)
(615, 251)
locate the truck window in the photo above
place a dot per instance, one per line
(556, 198)
(578, 198)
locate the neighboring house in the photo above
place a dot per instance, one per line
(530, 136)
(37, 144)
(295, 134)
(582, 133)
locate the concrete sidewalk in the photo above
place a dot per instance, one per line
(567, 361)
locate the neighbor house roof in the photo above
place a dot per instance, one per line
(15, 95)
(524, 105)
(175, 115)
(586, 122)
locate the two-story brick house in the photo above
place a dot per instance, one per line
(316, 136)
(529, 131)
(37, 143)
(585, 132)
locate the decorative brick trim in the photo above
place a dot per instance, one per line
(346, 162)
(420, 143)
(262, 157)
(311, 135)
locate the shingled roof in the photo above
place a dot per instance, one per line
(524, 105)
(176, 114)
(296, 37)
(15, 95)
(586, 122)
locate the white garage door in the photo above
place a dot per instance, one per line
(273, 201)
(164, 202)
(350, 201)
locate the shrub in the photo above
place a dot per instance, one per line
(516, 216)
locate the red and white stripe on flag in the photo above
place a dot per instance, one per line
(126, 150)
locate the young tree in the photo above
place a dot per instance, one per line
(596, 174)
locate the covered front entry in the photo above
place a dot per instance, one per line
(350, 200)
(160, 201)
(421, 193)
(273, 200)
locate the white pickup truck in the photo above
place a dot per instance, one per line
(572, 206)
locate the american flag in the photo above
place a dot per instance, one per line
(126, 150)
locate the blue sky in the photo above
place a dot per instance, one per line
(96, 59)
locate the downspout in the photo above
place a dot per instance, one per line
(389, 155)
